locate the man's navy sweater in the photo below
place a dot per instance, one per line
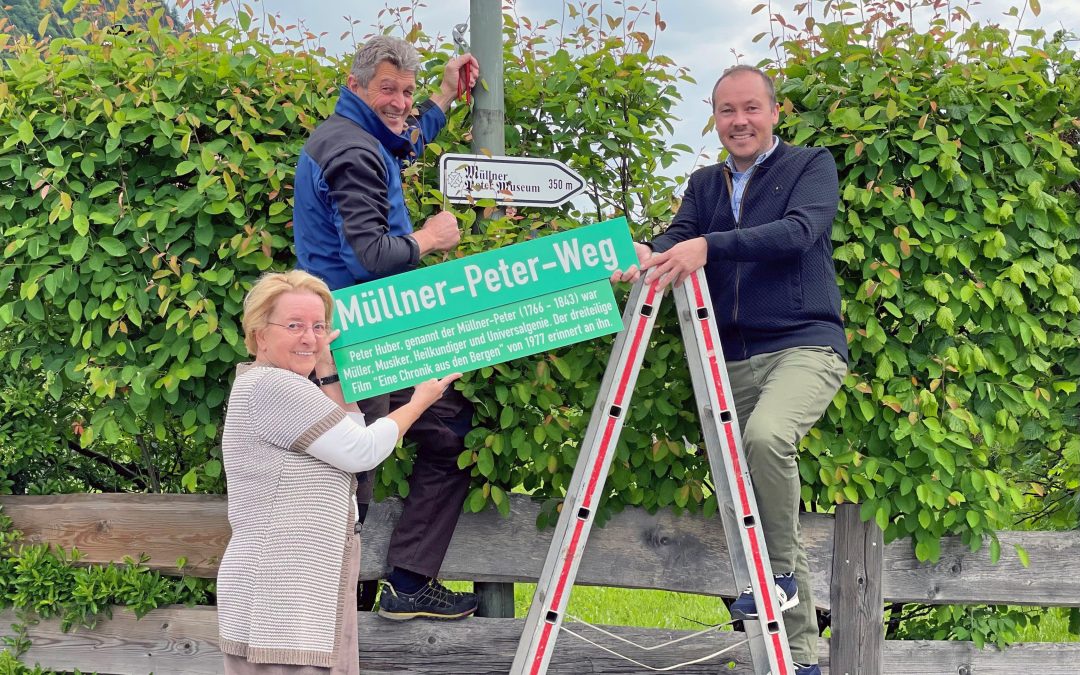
(770, 273)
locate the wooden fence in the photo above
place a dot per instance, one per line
(853, 575)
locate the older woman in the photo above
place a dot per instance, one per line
(287, 583)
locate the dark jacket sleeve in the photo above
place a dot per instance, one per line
(810, 211)
(686, 224)
(357, 181)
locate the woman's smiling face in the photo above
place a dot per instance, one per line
(278, 346)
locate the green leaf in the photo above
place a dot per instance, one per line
(476, 500)
(212, 468)
(170, 86)
(485, 462)
(1022, 554)
(81, 224)
(561, 366)
(917, 208)
(867, 409)
(79, 246)
(1020, 153)
(1071, 452)
(507, 417)
(502, 502)
(190, 481)
(26, 131)
(464, 459)
(103, 188)
(112, 246)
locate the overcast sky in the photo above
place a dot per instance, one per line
(700, 35)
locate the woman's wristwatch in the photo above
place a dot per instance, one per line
(323, 381)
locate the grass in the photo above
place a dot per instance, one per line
(686, 611)
(632, 607)
(627, 606)
(1053, 627)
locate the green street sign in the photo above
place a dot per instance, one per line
(482, 281)
(547, 289)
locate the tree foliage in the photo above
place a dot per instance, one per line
(957, 249)
(147, 180)
(54, 18)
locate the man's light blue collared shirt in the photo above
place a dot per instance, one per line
(740, 179)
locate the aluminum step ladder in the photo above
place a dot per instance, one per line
(723, 441)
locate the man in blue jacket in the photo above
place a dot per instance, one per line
(760, 225)
(350, 225)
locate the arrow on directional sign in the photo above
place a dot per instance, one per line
(510, 181)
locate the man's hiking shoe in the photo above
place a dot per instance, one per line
(787, 595)
(432, 601)
(814, 669)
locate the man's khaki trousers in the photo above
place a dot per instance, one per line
(778, 397)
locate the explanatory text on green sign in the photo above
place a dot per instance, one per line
(481, 310)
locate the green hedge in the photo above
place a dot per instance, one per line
(957, 248)
(147, 182)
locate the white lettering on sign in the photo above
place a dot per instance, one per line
(368, 307)
(571, 254)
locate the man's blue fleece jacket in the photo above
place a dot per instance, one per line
(349, 215)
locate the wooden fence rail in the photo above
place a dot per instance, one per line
(853, 575)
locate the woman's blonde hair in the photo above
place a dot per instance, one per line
(262, 297)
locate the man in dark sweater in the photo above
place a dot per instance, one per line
(760, 225)
(351, 225)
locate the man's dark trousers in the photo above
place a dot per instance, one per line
(437, 487)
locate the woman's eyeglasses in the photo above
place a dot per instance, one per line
(299, 328)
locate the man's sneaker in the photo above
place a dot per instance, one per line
(432, 600)
(787, 595)
(814, 669)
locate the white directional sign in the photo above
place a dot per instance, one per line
(510, 181)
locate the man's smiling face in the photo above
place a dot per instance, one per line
(745, 115)
(389, 94)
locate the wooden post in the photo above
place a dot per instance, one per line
(858, 632)
(496, 599)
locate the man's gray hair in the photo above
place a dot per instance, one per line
(741, 68)
(396, 51)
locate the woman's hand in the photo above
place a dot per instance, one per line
(429, 391)
(324, 360)
(632, 273)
